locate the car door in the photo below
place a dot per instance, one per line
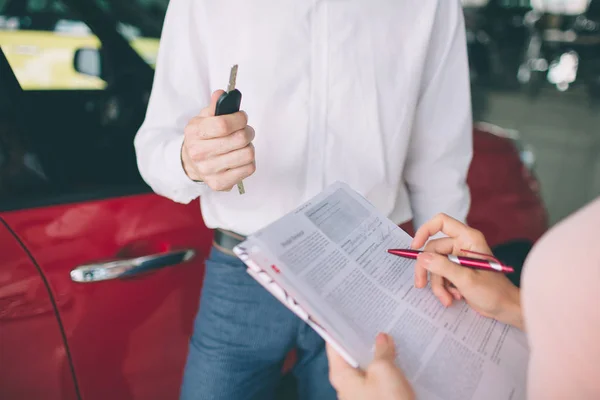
(32, 346)
(123, 266)
(127, 335)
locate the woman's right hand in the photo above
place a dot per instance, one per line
(491, 294)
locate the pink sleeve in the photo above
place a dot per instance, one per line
(561, 301)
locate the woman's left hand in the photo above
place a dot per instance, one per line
(382, 380)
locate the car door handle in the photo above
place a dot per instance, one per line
(133, 266)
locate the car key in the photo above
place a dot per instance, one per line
(229, 103)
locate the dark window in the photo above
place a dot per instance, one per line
(85, 69)
(50, 156)
(21, 173)
(41, 38)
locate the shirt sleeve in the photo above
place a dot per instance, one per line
(180, 90)
(441, 144)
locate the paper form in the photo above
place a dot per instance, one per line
(330, 256)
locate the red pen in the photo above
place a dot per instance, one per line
(489, 264)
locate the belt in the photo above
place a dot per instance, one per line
(225, 241)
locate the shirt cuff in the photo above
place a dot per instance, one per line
(186, 189)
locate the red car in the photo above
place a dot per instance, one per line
(100, 278)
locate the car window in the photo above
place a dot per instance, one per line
(85, 69)
(21, 173)
(67, 146)
(42, 37)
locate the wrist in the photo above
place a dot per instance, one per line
(512, 313)
(185, 164)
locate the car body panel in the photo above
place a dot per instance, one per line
(505, 200)
(128, 337)
(33, 357)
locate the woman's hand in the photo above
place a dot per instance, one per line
(382, 380)
(491, 294)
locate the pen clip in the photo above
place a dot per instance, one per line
(486, 256)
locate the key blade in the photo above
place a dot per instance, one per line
(231, 87)
(241, 189)
(232, 78)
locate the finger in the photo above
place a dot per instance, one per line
(454, 292)
(224, 162)
(188, 164)
(420, 276)
(210, 110)
(216, 127)
(336, 361)
(227, 179)
(441, 266)
(440, 246)
(235, 141)
(440, 223)
(438, 287)
(383, 371)
(340, 372)
(384, 347)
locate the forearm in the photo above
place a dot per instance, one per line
(512, 313)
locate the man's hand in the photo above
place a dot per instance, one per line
(382, 380)
(218, 150)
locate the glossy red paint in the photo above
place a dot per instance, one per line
(32, 349)
(505, 200)
(128, 337)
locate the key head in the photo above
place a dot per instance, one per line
(229, 103)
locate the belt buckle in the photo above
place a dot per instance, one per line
(225, 241)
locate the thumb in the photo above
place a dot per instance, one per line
(210, 110)
(440, 265)
(384, 348)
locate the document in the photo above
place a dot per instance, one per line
(327, 261)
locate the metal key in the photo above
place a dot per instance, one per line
(232, 78)
(229, 103)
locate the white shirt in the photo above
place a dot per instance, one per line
(372, 93)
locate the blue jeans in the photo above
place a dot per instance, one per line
(241, 337)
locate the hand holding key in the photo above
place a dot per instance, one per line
(218, 149)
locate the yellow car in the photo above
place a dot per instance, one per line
(40, 40)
